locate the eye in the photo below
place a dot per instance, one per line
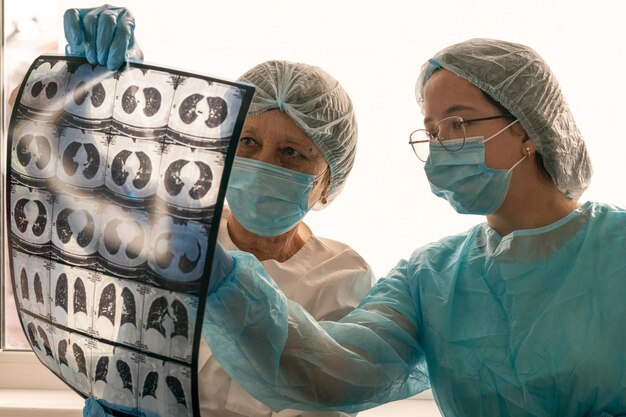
(458, 123)
(291, 152)
(246, 141)
(432, 135)
(248, 147)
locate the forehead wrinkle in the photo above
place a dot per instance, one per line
(250, 126)
(267, 129)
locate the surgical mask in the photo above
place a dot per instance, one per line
(462, 178)
(266, 199)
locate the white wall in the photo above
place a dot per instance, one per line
(375, 48)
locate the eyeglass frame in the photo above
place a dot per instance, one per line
(463, 121)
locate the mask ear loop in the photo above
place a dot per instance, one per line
(319, 177)
(521, 160)
(324, 198)
(500, 131)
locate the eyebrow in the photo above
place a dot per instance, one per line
(450, 110)
(308, 150)
(248, 128)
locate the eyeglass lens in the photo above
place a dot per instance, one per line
(450, 132)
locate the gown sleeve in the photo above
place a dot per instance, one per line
(275, 350)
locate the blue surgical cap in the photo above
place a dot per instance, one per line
(520, 80)
(318, 105)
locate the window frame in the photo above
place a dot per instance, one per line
(25, 372)
(2, 150)
(20, 369)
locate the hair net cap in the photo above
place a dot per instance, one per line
(519, 79)
(318, 105)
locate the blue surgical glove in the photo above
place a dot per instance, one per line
(93, 408)
(104, 35)
(223, 264)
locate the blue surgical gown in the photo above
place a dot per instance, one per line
(530, 324)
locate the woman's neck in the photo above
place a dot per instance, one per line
(536, 204)
(279, 248)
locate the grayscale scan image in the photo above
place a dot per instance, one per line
(114, 195)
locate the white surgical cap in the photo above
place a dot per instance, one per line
(518, 78)
(317, 104)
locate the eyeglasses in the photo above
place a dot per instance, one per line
(449, 132)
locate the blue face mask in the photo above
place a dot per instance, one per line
(266, 199)
(462, 177)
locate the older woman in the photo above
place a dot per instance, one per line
(520, 316)
(296, 150)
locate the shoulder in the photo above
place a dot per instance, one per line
(602, 210)
(334, 246)
(341, 256)
(444, 252)
(330, 278)
(605, 221)
(602, 217)
(436, 258)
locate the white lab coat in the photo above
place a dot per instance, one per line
(327, 278)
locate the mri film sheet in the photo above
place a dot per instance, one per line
(114, 196)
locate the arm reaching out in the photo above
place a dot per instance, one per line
(274, 349)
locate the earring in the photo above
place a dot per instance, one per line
(528, 151)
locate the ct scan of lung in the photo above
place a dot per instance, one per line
(116, 186)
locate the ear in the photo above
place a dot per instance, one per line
(324, 194)
(321, 186)
(527, 147)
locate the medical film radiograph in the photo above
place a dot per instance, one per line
(114, 195)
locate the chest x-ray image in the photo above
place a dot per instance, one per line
(32, 151)
(43, 95)
(32, 283)
(31, 220)
(132, 170)
(90, 103)
(143, 102)
(204, 114)
(82, 159)
(115, 191)
(187, 180)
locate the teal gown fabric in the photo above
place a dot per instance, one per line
(532, 324)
